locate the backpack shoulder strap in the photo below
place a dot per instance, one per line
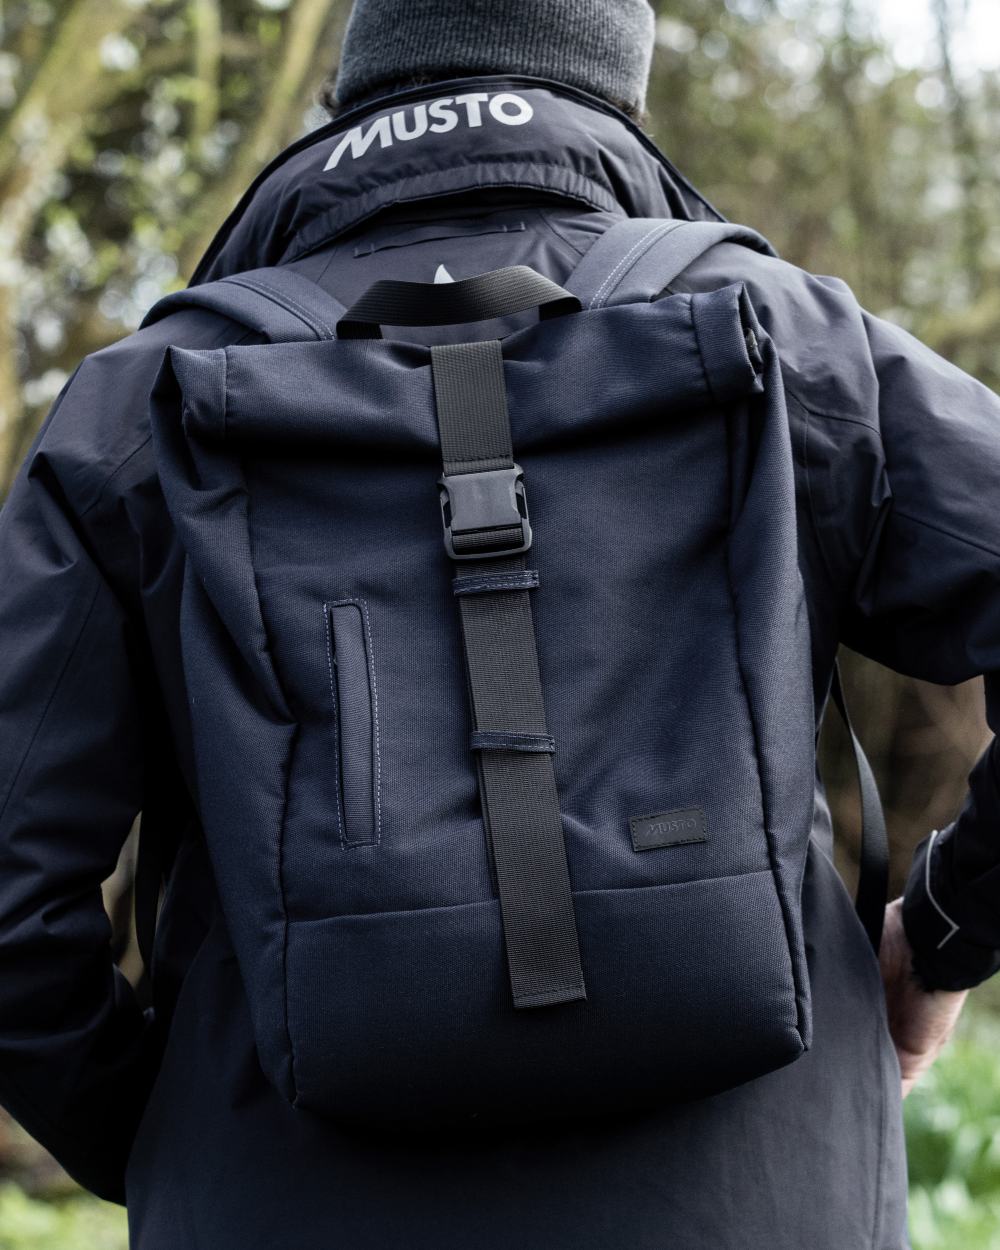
(635, 259)
(873, 859)
(279, 303)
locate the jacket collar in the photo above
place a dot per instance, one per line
(444, 139)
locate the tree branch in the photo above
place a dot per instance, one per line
(302, 62)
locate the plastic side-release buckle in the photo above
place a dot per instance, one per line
(485, 514)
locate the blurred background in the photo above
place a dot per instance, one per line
(861, 136)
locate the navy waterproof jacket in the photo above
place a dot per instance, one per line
(897, 455)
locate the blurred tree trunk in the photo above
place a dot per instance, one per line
(206, 24)
(301, 63)
(68, 93)
(968, 156)
(40, 132)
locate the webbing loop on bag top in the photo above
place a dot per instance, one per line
(481, 298)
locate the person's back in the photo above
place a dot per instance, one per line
(431, 177)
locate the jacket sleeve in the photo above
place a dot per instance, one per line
(898, 454)
(73, 1040)
(927, 604)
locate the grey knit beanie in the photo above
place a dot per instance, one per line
(604, 46)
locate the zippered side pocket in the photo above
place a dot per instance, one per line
(355, 706)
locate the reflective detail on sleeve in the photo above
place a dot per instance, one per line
(930, 894)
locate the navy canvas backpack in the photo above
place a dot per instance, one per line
(498, 666)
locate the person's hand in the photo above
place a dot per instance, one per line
(920, 1021)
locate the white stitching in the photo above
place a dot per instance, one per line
(302, 309)
(280, 297)
(609, 279)
(377, 795)
(930, 894)
(336, 715)
(622, 260)
(606, 287)
(511, 740)
(471, 586)
(306, 313)
(378, 737)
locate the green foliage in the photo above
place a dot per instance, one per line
(76, 1223)
(953, 1141)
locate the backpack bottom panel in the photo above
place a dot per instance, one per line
(407, 1016)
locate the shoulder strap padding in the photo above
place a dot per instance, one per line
(278, 303)
(637, 258)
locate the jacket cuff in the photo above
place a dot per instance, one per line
(943, 957)
(91, 1136)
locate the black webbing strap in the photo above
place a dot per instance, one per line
(873, 879)
(499, 293)
(510, 736)
(147, 882)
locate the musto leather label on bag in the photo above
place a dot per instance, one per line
(668, 829)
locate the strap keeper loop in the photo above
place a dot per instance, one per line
(487, 583)
(510, 740)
